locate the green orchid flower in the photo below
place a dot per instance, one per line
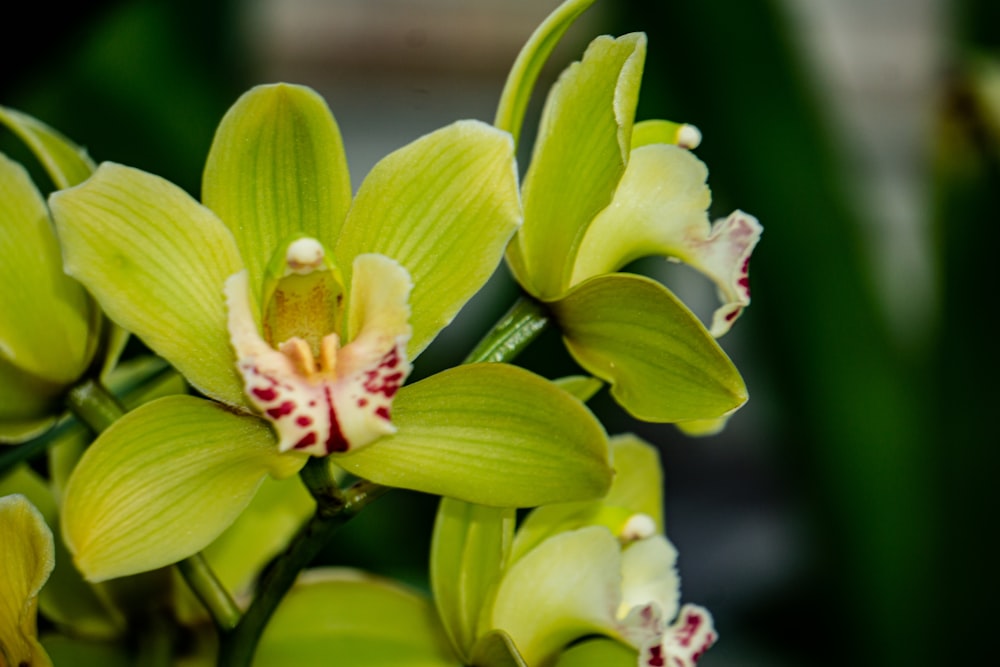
(589, 584)
(50, 328)
(26, 551)
(602, 191)
(599, 568)
(296, 310)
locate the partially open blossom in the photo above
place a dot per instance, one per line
(602, 191)
(601, 568)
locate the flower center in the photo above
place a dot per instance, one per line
(322, 397)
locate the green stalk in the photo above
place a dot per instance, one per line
(334, 508)
(213, 595)
(522, 324)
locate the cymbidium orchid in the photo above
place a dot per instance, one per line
(602, 191)
(296, 309)
(50, 328)
(589, 584)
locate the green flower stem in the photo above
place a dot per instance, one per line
(202, 580)
(94, 405)
(522, 324)
(11, 456)
(237, 648)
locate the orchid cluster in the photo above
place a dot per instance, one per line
(168, 507)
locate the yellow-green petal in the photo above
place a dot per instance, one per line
(345, 617)
(47, 317)
(444, 207)
(660, 208)
(276, 169)
(492, 434)
(26, 553)
(600, 652)
(566, 588)
(28, 406)
(469, 549)
(662, 199)
(636, 490)
(66, 163)
(661, 362)
(156, 260)
(163, 482)
(580, 154)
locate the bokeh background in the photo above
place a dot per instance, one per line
(846, 515)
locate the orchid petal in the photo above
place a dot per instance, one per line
(636, 492)
(26, 552)
(600, 652)
(649, 575)
(156, 260)
(491, 434)
(47, 316)
(659, 209)
(662, 364)
(579, 156)
(277, 168)
(444, 207)
(367, 622)
(564, 589)
(66, 163)
(163, 482)
(469, 549)
(28, 406)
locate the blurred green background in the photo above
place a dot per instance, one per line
(845, 516)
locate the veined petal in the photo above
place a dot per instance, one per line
(492, 434)
(363, 620)
(444, 207)
(47, 317)
(163, 482)
(579, 156)
(564, 589)
(66, 163)
(342, 400)
(662, 364)
(26, 553)
(156, 260)
(277, 168)
(469, 550)
(632, 508)
(660, 209)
